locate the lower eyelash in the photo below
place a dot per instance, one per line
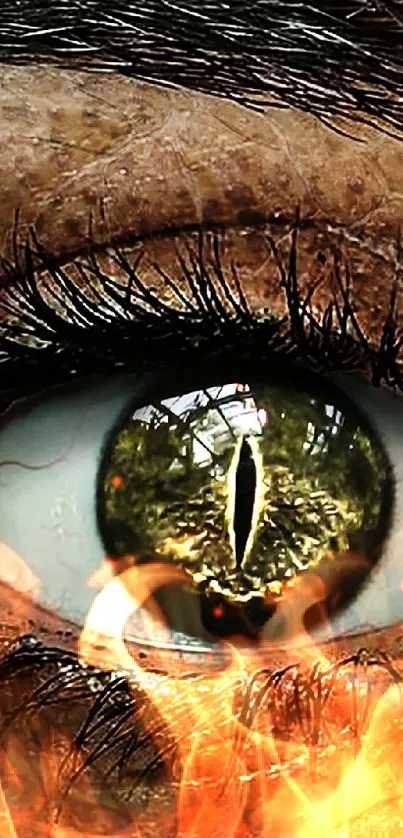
(71, 331)
(118, 726)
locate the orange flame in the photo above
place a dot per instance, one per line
(221, 759)
(236, 774)
(6, 822)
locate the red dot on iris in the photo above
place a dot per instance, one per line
(218, 611)
(116, 481)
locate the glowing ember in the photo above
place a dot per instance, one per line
(116, 481)
(6, 823)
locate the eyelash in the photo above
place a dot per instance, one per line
(296, 702)
(104, 334)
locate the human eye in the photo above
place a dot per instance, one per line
(160, 243)
(201, 321)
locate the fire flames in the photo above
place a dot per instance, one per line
(238, 774)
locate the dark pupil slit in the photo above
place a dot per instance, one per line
(245, 491)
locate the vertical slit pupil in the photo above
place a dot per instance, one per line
(245, 490)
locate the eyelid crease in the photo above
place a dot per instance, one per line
(53, 329)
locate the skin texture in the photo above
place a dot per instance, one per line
(144, 162)
(140, 160)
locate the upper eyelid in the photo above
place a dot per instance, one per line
(54, 122)
(240, 194)
(206, 162)
(339, 338)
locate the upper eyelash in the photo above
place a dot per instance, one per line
(132, 316)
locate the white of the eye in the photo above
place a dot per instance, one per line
(48, 516)
(380, 603)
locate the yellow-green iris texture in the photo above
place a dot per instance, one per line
(244, 484)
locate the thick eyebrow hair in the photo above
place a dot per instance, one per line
(330, 58)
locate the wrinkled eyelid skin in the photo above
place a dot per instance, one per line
(155, 159)
(146, 160)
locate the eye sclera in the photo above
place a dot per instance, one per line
(126, 526)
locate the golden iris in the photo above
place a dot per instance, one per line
(245, 484)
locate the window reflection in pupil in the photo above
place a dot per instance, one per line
(244, 486)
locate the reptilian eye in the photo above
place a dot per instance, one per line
(245, 485)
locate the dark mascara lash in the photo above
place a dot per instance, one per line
(53, 329)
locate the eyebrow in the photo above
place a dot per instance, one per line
(332, 59)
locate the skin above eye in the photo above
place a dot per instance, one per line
(139, 160)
